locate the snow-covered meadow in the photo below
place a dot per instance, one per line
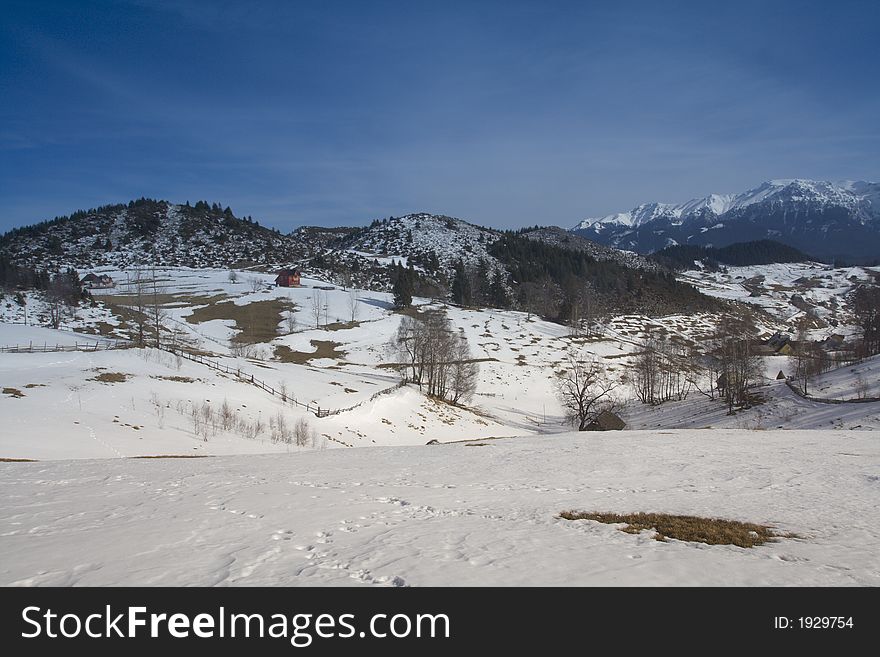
(481, 513)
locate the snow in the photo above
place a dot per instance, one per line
(824, 289)
(781, 409)
(846, 194)
(398, 512)
(451, 514)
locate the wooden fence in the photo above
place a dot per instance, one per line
(800, 393)
(107, 345)
(32, 348)
(250, 378)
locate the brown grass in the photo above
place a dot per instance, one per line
(35, 385)
(323, 349)
(711, 531)
(13, 392)
(256, 322)
(163, 299)
(110, 377)
(341, 326)
(176, 379)
(4, 459)
(173, 456)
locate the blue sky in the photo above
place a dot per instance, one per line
(503, 113)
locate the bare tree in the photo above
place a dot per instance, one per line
(584, 390)
(318, 305)
(739, 365)
(138, 288)
(255, 283)
(354, 304)
(290, 320)
(233, 276)
(465, 371)
(431, 354)
(157, 312)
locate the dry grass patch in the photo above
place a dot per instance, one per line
(13, 392)
(110, 377)
(711, 531)
(176, 379)
(35, 385)
(341, 326)
(256, 321)
(173, 456)
(4, 459)
(323, 349)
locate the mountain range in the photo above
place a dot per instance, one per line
(828, 220)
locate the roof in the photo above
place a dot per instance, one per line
(607, 421)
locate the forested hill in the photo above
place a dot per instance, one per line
(148, 231)
(573, 281)
(741, 254)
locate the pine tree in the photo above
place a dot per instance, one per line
(403, 286)
(461, 286)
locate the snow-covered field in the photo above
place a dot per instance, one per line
(451, 514)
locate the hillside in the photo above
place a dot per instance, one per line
(149, 232)
(444, 257)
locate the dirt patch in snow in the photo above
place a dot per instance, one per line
(711, 531)
(256, 321)
(323, 349)
(110, 377)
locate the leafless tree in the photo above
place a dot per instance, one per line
(318, 305)
(290, 319)
(662, 371)
(255, 282)
(434, 356)
(138, 288)
(465, 372)
(740, 366)
(157, 311)
(354, 304)
(233, 276)
(584, 390)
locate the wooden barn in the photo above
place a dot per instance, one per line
(287, 278)
(606, 421)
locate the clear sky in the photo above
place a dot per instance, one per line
(502, 113)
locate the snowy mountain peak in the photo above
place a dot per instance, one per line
(776, 209)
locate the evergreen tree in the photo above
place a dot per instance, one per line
(403, 286)
(498, 292)
(461, 286)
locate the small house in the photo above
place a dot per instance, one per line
(287, 278)
(93, 281)
(606, 421)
